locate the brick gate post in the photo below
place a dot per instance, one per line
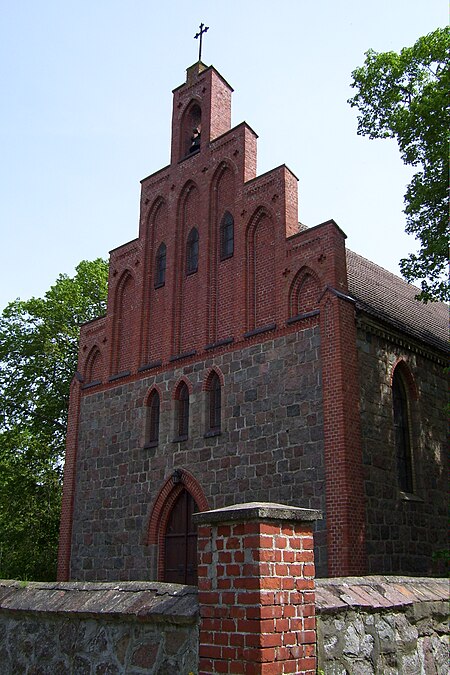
(256, 590)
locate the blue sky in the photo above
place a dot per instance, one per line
(86, 113)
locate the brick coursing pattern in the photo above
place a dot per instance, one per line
(256, 598)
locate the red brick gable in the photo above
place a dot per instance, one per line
(225, 298)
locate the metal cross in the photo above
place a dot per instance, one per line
(202, 30)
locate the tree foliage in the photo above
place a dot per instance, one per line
(404, 96)
(38, 357)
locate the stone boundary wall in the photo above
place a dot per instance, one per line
(382, 625)
(98, 628)
(365, 625)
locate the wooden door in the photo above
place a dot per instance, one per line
(180, 542)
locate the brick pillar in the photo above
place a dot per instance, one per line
(345, 507)
(65, 528)
(256, 590)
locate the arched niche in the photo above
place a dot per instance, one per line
(191, 129)
(304, 292)
(93, 371)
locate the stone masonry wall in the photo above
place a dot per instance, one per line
(365, 626)
(403, 530)
(88, 629)
(270, 449)
(382, 626)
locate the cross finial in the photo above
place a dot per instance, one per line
(202, 30)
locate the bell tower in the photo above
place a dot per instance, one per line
(201, 111)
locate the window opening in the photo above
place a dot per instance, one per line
(191, 131)
(402, 433)
(152, 426)
(226, 236)
(192, 251)
(160, 271)
(215, 404)
(195, 140)
(183, 412)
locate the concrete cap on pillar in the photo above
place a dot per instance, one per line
(256, 511)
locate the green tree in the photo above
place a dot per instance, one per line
(404, 96)
(38, 357)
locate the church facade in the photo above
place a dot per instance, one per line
(244, 357)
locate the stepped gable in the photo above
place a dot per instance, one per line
(391, 299)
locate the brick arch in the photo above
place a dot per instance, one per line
(304, 292)
(188, 216)
(155, 225)
(222, 199)
(188, 189)
(179, 480)
(221, 277)
(126, 276)
(260, 268)
(405, 429)
(154, 306)
(207, 381)
(149, 394)
(155, 209)
(259, 213)
(225, 165)
(186, 317)
(93, 368)
(125, 310)
(179, 382)
(151, 417)
(408, 378)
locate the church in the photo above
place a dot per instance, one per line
(245, 357)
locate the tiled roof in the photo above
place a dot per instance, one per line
(392, 300)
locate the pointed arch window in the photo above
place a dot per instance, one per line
(160, 266)
(226, 236)
(192, 249)
(182, 412)
(152, 420)
(402, 432)
(214, 404)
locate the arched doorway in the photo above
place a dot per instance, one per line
(166, 518)
(180, 542)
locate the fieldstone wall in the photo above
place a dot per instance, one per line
(403, 530)
(382, 626)
(365, 626)
(103, 629)
(270, 449)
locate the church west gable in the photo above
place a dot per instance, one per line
(223, 234)
(231, 366)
